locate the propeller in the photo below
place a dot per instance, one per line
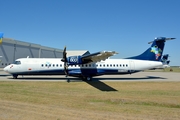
(64, 59)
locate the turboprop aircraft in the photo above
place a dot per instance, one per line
(88, 66)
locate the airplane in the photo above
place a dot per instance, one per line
(1, 36)
(165, 62)
(91, 65)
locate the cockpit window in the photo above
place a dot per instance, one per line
(17, 62)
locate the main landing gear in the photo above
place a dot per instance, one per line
(87, 78)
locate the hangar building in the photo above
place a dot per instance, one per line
(11, 49)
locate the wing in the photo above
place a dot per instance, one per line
(96, 57)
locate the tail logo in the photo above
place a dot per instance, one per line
(157, 51)
(0, 40)
(1, 36)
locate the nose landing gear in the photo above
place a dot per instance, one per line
(15, 76)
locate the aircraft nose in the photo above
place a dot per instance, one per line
(6, 69)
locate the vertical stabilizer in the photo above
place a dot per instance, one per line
(154, 53)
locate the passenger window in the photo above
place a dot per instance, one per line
(123, 65)
(60, 65)
(56, 65)
(107, 65)
(120, 65)
(126, 65)
(100, 65)
(110, 65)
(53, 65)
(117, 65)
(104, 65)
(42, 65)
(89, 65)
(114, 65)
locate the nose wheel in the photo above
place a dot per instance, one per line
(15, 76)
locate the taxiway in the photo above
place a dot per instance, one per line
(141, 76)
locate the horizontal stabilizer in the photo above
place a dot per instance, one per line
(161, 39)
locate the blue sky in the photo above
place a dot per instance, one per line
(125, 26)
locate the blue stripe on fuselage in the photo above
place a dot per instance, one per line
(79, 72)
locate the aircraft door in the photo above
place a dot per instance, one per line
(131, 66)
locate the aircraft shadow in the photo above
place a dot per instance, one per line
(130, 79)
(100, 86)
(4, 75)
(96, 82)
(74, 79)
(45, 79)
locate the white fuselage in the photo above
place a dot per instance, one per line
(54, 66)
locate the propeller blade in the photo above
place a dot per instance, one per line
(64, 59)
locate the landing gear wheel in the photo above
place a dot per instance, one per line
(88, 78)
(15, 76)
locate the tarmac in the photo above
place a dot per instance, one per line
(141, 76)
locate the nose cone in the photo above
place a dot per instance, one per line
(6, 68)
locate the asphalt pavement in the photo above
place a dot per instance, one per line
(141, 76)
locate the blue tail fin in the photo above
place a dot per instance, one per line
(154, 53)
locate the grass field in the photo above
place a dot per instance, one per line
(172, 69)
(79, 100)
(169, 69)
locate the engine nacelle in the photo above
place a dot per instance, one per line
(74, 60)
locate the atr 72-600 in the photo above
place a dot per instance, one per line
(88, 66)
